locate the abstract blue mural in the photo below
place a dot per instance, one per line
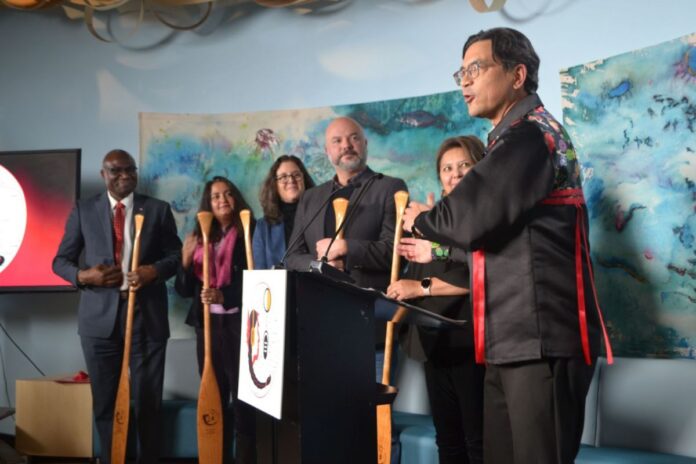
(633, 120)
(179, 152)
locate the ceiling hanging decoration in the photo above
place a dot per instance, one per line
(162, 10)
(482, 7)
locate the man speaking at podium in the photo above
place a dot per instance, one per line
(365, 251)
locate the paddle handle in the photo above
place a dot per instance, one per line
(245, 217)
(340, 205)
(400, 200)
(205, 221)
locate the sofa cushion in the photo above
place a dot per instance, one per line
(607, 455)
(648, 404)
(401, 420)
(418, 445)
(179, 432)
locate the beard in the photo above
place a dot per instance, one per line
(352, 163)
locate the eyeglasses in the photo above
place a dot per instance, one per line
(115, 172)
(285, 178)
(473, 71)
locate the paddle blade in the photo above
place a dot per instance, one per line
(119, 435)
(384, 431)
(209, 418)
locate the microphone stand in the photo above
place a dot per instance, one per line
(322, 266)
(291, 245)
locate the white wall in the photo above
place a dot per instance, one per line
(61, 88)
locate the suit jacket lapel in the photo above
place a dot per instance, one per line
(318, 226)
(103, 211)
(366, 175)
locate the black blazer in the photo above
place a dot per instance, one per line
(189, 286)
(88, 231)
(369, 232)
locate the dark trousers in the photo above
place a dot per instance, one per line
(103, 357)
(456, 403)
(225, 338)
(534, 411)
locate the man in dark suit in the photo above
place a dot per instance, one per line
(104, 281)
(366, 251)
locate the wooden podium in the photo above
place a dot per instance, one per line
(329, 393)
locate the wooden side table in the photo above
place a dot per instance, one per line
(53, 418)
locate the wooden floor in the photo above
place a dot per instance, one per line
(18, 459)
(8, 455)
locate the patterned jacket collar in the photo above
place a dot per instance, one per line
(517, 112)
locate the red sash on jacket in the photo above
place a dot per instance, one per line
(572, 197)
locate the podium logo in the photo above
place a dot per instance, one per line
(258, 339)
(267, 300)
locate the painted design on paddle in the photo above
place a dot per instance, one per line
(119, 418)
(258, 341)
(210, 417)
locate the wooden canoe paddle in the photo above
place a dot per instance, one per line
(384, 424)
(245, 217)
(119, 434)
(209, 412)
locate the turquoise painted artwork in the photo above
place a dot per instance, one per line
(633, 120)
(180, 152)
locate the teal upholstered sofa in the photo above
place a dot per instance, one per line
(641, 411)
(181, 381)
(638, 411)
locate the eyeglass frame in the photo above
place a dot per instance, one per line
(115, 172)
(473, 71)
(284, 179)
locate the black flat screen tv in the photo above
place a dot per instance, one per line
(38, 189)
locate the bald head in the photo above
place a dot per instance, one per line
(118, 154)
(346, 147)
(119, 173)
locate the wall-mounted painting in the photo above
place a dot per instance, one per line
(633, 120)
(180, 152)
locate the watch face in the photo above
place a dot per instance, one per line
(425, 283)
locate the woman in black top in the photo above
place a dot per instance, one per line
(227, 263)
(453, 379)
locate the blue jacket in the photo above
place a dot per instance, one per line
(268, 244)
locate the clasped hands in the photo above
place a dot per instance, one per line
(109, 275)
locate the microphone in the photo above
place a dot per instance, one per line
(281, 264)
(351, 210)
